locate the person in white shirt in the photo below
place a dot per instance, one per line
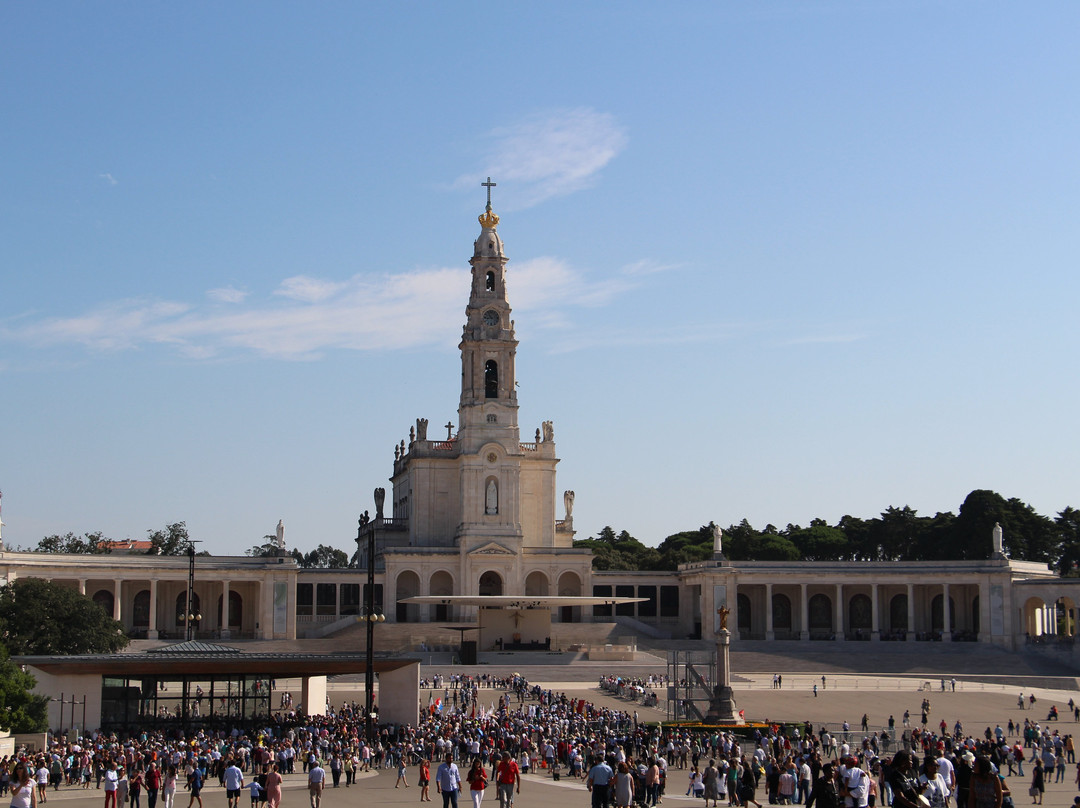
(857, 782)
(937, 791)
(234, 784)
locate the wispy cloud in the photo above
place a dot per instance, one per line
(305, 316)
(823, 339)
(109, 178)
(227, 294)
(550, 154)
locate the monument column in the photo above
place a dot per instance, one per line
(804, 614)
(769, 633)
(911, 612)
(223, 629)
(82, 586)
(151, 630)
(840, 637)
(875, 626)
(722, 705)
(946, 614)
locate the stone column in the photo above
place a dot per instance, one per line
(946, 612)
(118, 588)
(839, 620)
(910, 612)
(224, 627)
(875, 624)
(769, 633)
(82, 586)
(152, 631)
(804, 614)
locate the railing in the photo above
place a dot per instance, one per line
(530, 447)
(443, 445)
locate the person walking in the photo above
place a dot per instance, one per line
(168, 788)
(273, 787)
(316, 780)
(1038, 783)
(448, 782)
(424, 779)
(23, 793)
(477, 778)
(507, 775)
(112, 777)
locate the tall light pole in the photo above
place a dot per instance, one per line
(191, 614)
(371, 617)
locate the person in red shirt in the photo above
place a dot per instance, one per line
(507, 775)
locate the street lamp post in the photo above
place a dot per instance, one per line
(371, 617)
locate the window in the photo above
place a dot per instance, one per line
(601, 610)
(490, 282)
(305, 598)
(624, 609)
(325, 599)
(669, 601)
(350, 599)
(491, 379)
(648, 608)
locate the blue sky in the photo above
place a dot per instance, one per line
(773, 260)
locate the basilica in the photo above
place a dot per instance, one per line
(476, 514)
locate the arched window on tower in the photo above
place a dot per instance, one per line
(491, 379)
(490, 283)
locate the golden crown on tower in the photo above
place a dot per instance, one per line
(489, 220)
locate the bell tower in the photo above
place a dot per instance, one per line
(488, 407)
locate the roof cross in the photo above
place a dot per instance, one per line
(489, 185)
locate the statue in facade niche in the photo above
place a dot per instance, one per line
(491, 498)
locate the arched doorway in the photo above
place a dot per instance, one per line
(441, 584)
(937, 614)
(140, 610)
(743, 615)
(536, 585)
(236, 610)
(408, 586)
(570, 586)
(820, 616)
(898, 613)
(491, 584)
(104, 599)
(781, 616)
(861, 615)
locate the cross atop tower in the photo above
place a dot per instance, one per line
(489, 185)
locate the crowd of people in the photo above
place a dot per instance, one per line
(499, 729)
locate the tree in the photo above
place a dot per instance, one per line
(322, 557)
(39, 617)
(172, 541)
(91, 543)
(21, 710)
(268, 549)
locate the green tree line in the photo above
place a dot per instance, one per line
(899, 534)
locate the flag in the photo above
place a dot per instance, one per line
(438, 704)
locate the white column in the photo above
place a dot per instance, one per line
(118, 587)
(839, 621)
(875, 625)
(224, 627)
(946, 631)
(804, 614)
(910, 612)
(151, 631)
(769, 633)
(82, 586)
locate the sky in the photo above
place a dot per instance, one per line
(775, 261)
